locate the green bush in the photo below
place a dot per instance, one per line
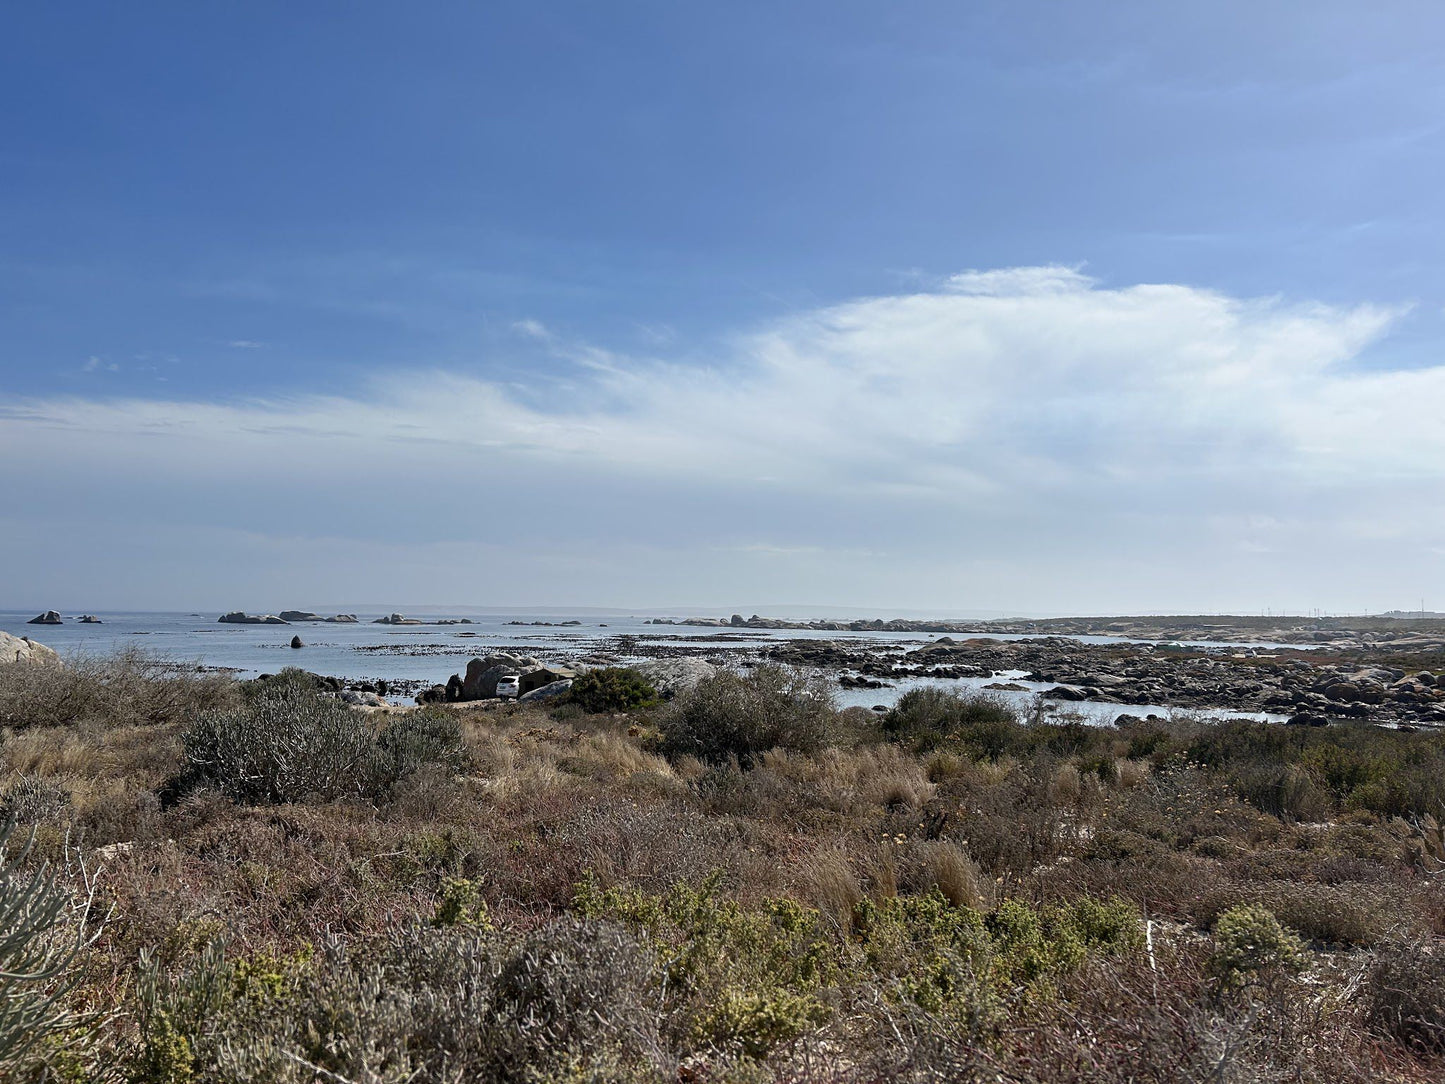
(734, 715)
(982, 723)
(612, 688)
(1250, 944)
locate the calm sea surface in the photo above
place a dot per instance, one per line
(431, 653)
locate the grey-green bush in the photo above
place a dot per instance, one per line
(36, 954)
(743, 715)
(289, 747)
(982, 722)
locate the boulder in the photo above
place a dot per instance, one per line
(396, 619)
(483, 675)
(89, 619)
(238, 617)
(435, 695)
(671, 677)
(296, 642)
(361, 700)
(24, 649)
(299, 615)
(1066, 692)
(550, 691)
(342, 619)
(535, 679)
(49, 617)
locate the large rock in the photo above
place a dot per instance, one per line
(49, 617)
(24, 649)
(342, 619)
(396, 619)
(550, 691)
(300, 615)
(483, 675)
(536, 677)
(89, 619)
(670, 677)
(237, 617)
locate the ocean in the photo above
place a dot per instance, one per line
(429, 654)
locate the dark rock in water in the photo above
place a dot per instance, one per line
(1064, 692)
(736, 620)
(435, 695)
(49, 617)
(296, 642)
(89, 619)
(1305, 719)
(299, 615)
(342, 619)
(453, 688)
(396, 619)
(238, 617)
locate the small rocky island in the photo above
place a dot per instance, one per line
(49, 617)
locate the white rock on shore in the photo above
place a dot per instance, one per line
(24, 649)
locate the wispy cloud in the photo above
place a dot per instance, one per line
(975, 411)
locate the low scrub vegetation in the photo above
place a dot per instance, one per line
(741, 884)
(612, 688)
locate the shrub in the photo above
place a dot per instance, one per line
(1250, 944)
(612, 688)
(290, 745)
(425, 1005)
(417, 739)
(37, 954)
(745, 715)
(983, 724)
(127, 688)
(31, 799)
(1407, 994)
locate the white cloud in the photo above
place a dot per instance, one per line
(947, 428)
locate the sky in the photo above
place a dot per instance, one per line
(927, 307)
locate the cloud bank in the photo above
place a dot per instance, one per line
(1015, 439)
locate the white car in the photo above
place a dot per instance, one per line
(509, 686)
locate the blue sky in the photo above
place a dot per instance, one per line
(288, 291)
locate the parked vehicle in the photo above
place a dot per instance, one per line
(509, 686)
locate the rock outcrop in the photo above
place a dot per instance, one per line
(550, 691)
(89, 619)
(300, 615)
(238, 617)
(397, 619)
(49, 617)
(24, 649)
(673, 676)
